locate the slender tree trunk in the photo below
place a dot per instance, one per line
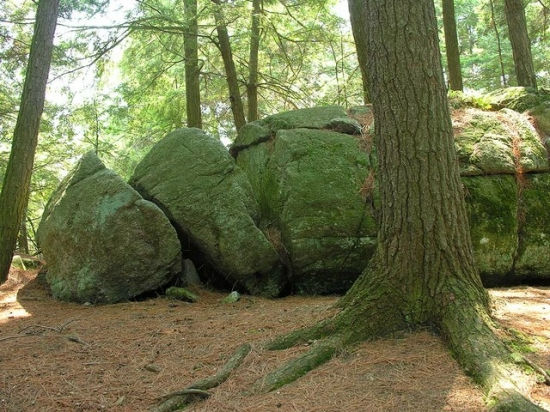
(192, 70)
(231, 73)
(451, 45)
(503, 80)
(23, 239)
(15, 190)
(521, 45)
(252, 86)
(358, 29)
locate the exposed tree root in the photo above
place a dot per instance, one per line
(199, 390)
(316, 356)
(485, 357)
(467, 329)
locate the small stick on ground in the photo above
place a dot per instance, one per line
(538, 369)
(180, 399)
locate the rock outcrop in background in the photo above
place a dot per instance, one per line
(291, 207)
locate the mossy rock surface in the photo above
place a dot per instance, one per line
(503, 142)
(519, 99)
(192, 177)
(308, 184)
(182, 294)
(533, 261)
(102, 241)
(325, 117)
(493, 215)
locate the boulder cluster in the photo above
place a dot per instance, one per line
(291, 207)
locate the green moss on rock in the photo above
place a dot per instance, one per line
(533, 259)
(492, 210)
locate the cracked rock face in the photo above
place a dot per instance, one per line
(192, 177)
(102, 241)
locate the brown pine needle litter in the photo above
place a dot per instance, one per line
(58, 356)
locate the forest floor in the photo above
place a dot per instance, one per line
(57, 356)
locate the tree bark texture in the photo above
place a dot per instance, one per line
(231, 73)
(252, 86)
(452, 50)
(424, 237)
(521, 45)
(192, 70)
(15, 190)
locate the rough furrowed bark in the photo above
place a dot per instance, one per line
(180, 399)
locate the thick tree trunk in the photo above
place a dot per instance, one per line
(231, 73)
(422, 273)
(15, 190)
(252, 86)
(192, 71)
(521, 45)
(451, 45)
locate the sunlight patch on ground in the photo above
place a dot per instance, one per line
(530, 305)
(10, 308)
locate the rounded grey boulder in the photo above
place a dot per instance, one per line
(102, 242)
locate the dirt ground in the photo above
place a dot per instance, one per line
(57, 356)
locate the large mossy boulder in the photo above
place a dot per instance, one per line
(308, 182)
(102, 241)
(192, 177)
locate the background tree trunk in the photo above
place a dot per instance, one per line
(356, 13)
(252, 86)
(451, 45)
(521, 45)
(15, 190)
(192, 70)
(503, 79)
(23, 238)
(231, 73)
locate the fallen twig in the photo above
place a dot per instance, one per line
(58, 329)
(538, 369)
(14, 337)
